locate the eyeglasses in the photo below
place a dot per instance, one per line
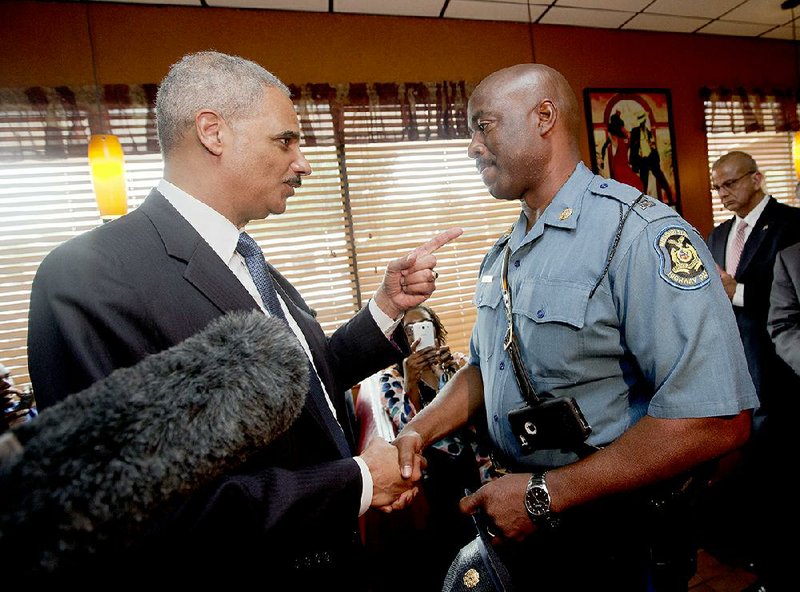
(728, 185)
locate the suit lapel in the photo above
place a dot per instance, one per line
(318, 406)
(212, 277)
(757, 236)
(204, 269)
(720, 241)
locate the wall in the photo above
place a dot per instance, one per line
(47, 44)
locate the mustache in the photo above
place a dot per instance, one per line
(482, 164)
(295, 181)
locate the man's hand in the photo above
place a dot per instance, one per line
(503, 504)
(728, 282)
(390, 490)
(410, 280)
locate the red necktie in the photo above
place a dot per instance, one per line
(737, 248)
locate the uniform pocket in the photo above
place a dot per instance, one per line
(550, 317)
(491, 318)
(552, 302)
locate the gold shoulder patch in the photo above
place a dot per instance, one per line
(680, 264)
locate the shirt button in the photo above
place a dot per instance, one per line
(603, 185)
(516, 263)
(502, 365)
(496, 418)
(540, 313)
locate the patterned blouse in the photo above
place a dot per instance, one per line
(400, 409)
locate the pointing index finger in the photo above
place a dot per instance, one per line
(438, 241)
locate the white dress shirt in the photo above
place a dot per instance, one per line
(222, 236)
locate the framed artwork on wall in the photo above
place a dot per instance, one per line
(632, 140)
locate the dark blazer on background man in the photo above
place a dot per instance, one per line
(776, 228)
(145, 282)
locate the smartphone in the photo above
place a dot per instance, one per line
(423, 330)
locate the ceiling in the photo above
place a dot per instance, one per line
(742, 18)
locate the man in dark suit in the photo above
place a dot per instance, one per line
(744, 249)
(138, 285)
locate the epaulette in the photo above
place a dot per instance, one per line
(648, 208)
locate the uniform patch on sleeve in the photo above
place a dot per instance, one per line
(680, 264)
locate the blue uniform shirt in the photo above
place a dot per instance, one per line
(657, 336)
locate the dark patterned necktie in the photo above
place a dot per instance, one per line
(248, 248)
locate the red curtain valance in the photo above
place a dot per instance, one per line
(56, 122)
(751, 110)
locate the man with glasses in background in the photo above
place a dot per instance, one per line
(744, 248)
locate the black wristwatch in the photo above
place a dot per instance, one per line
(537, 502)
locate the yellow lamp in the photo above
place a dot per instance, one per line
(796, 153)
(107, 164)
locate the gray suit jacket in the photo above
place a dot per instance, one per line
(784, 307)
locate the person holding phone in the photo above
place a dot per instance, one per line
(455, 462)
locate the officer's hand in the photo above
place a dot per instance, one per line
(503, 505)
(409, 452)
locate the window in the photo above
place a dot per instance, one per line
(332, 244)
(43, 204)
(772, 150)
(400, 193)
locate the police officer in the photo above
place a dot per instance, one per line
(614, 306)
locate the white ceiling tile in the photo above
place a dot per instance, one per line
(306, 5)
(624, 5)
(705, 8)
(783, 33)
(398, 7)
(673, 24)
(746, 18)
(495, 11)
(585, 17)
(737, 29)
(180, 2)
(760, 11)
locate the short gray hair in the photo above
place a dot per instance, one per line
(227, 84)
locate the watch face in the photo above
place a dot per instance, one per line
(538, 501)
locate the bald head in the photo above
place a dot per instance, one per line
(738, 182)
(525, 132)
(738, 159)
(528, 85)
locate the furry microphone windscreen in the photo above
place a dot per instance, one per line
(99, 468)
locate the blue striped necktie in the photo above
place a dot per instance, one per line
(248, 248)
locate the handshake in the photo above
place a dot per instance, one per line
(391, 489)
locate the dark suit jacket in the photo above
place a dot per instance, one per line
(777, 228)
(147, 281)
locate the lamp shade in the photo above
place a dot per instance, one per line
(106, 161)
(796, 153)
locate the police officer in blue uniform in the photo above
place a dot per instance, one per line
(612, 306)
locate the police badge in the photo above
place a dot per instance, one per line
(680, 266)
